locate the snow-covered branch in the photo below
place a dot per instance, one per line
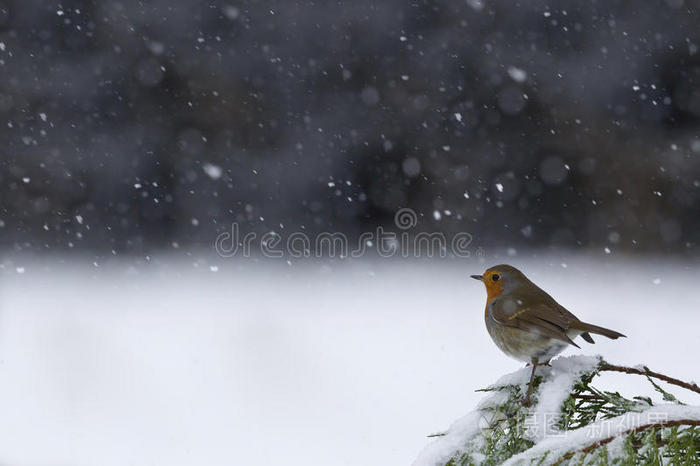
(571, 421)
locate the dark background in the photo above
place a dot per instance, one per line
(134, 126)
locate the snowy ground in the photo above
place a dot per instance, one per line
(265, 363)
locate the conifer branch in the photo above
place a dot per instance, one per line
(604, 366)
(502, 428)
(635, 430)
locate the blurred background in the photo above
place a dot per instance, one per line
(562, 137)
(129, 126)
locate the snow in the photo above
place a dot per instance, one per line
(441, 450)
(231, 12)
(542, 418)
(517, 74)
(564, 373)
(213, 171)
(553, 392)
(559, 445)
(161, 361)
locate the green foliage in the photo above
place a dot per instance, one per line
(586, 404)
(504, 424)
(654, 447)
(506, 427)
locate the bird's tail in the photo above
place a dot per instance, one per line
(606, 332)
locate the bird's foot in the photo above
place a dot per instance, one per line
(526, 402)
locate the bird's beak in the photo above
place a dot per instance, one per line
(478, 277)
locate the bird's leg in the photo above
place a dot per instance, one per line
(532, 379)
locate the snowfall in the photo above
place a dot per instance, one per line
(257, 362)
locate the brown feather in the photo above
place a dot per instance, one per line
(537, 318)
(606, 332)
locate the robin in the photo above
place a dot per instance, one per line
(526, 323)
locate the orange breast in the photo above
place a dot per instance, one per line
(493, 291)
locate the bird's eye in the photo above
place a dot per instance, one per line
(495, 277)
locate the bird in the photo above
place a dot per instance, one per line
(526, 323)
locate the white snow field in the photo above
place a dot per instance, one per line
(226, 362)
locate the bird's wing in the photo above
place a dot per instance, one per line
(540, 318)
